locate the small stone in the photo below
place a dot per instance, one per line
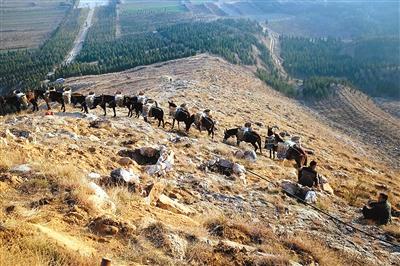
(100, 123)
(106, 225)
(239, 154)
(73, 147)
(94, 138)
(76, 215)
(50, 135)
(238, 169)
(250, 156)
(10, 209)
(178, 246)
(68, 134)
(167, 203)
(20, 133)
(32, 139)
(99, 199)
(125, 161)
(153, 192)
(93, 175)
(23, 168)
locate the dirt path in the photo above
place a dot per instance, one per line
(118, 31)
(80, 38)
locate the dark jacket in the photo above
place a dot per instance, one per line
(308, 177)
(380, 212)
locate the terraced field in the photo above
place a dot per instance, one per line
(27, 24)
(358, 115)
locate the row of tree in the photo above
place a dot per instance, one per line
(233, 40)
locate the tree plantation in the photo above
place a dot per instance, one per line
(371, 64)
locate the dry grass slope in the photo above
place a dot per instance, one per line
(49, 212)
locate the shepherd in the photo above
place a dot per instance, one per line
(378, 211)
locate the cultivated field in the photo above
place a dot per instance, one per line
(140, 6)
(27, 24)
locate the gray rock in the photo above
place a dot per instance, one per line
(23, 168)
(238, 169)
(66, 133)
(239, 154)
(250, 156)
(20, 133)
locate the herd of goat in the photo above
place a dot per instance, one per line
(141, 105)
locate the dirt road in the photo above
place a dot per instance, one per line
(80, 38)
(273, 46)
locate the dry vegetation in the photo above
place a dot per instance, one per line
(48, 216)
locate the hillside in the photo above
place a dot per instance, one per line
(357, 114)
(54, 210)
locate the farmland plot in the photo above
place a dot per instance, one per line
(28, 24)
